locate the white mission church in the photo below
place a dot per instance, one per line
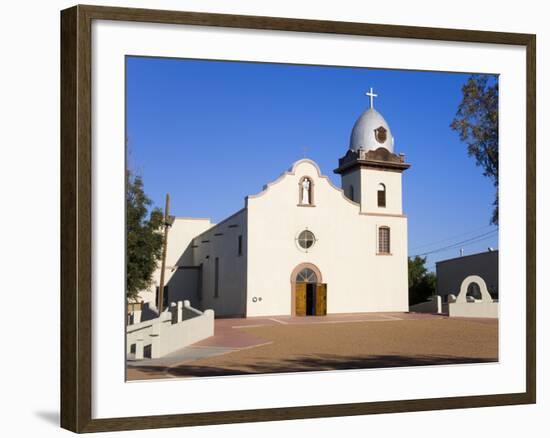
(303, 246)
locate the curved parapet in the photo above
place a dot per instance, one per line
(292, 171)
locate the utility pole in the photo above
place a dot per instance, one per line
(167, 223)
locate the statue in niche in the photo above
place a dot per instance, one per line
(305, 191)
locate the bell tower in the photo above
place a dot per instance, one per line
(371, 172)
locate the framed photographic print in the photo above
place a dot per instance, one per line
(305, 218)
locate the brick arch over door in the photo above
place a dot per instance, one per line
(293, 276)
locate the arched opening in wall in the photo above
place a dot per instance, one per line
(474, 291)
(306, 193)
(381, 195)
(351, 193)
(308, 292)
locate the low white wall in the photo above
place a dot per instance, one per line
(465, 307)
(176, 328)
(474, 310)
(143, 330)
(172, 337)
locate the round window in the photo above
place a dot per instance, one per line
(306, 239)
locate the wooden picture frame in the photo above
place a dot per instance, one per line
(76, 217)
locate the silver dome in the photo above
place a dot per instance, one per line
(370, 132)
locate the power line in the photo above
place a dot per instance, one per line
(451, 238)
(466, 242)
(462, 243)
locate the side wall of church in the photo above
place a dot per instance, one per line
(351, 184)
(358, 280)
(224, 292)
(179, 253)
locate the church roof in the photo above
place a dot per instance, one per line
(370, 132)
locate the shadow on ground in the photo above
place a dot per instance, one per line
(310, 363)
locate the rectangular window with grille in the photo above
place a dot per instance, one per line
(383, 240)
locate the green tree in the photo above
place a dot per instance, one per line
(421, 281)
(143, 237)
(476, 122)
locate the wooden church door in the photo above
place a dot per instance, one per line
(301, 299)
(320, 299)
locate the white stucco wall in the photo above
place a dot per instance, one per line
(178, 253)
(369, 193)
(474, 310)
(358, 279)
(221, 241)
(174, 329)
(352, 179)
(183, 284)
(366, 181)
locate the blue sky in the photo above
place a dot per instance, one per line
(211, 132)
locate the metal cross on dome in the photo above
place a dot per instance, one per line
(372, 96)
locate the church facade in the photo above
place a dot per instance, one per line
(303, 246)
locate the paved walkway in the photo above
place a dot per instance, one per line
(186, 354)
(230, 335)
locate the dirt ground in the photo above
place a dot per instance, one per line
(346, 345)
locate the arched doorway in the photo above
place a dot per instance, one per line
(308, 292)
(473, 291)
